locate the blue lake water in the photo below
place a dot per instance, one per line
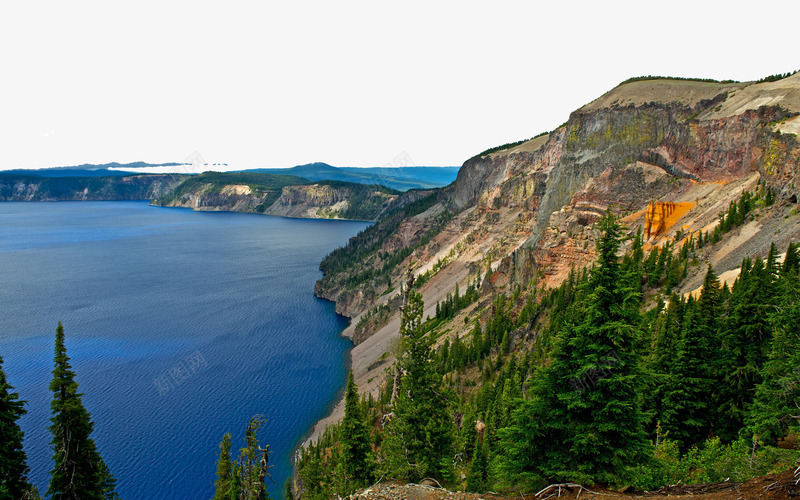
(180, 326)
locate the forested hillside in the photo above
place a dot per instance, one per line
(610, 303)
(582, 383)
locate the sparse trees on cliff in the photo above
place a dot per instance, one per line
(253, 465)
(243, 478)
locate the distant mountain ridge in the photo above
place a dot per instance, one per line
(398, 178)
(90, 169)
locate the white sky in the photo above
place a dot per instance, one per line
(276, 84)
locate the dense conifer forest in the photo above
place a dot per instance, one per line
(610, 378)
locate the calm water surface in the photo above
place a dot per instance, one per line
(180, 326)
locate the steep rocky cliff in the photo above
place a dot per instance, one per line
(526, 214)
(333, 200)
(617, 157)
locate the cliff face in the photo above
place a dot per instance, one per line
(325, 201)
(230, 198)
(617, 158)
(314, 201)
(526, 216)
(286, 196)
(133, 187)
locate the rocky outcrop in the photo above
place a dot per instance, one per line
(332, 201)
(308, 201)
(480, 175)
(230, 198)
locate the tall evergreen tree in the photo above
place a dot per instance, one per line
(253, 468)
(478, 475)
(777, 399)
(419, 438)
(791, 262)
(222, 485)
(78, 473)
(355, 440)
(13, 461)
(584, 420)
(661, 360)
(690, 403)
(686, 412)
(108, 483)
(746, 342)
(710, 309)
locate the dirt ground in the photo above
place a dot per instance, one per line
(778, 486)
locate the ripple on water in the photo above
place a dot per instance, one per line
(141, 290)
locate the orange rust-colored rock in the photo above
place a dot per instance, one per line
(662, 215)
(655, 218)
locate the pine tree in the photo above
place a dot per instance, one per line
(769, 199)
(478, 475)
(687, 412)
(355, 441)
(419, 438)
(253, 469)
(78, 473)
(108, 483)
(236, 483)
(689, 403)
(222, 485)
(314, 474)
(660, 366)
(777, 399)
(13, 461)
(710, 307)
(791, 263)
(468, 432)
(584, 420)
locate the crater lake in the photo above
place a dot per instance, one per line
(180, 326)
